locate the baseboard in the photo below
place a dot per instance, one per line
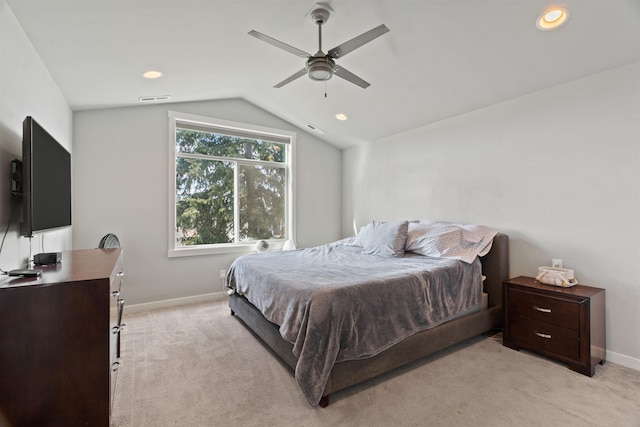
(138, 308)
(621, 359)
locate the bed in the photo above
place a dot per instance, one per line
(342, 313)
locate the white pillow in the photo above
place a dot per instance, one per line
(362, 235)
(448, 240)
(383, 238)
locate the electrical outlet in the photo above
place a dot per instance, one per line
(223, 274)
(557, 263)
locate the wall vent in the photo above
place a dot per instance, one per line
(315, 129)
(155, 98)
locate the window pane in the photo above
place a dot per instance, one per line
(214, 144)
(204, 202)
(266, 150)
(262, 198)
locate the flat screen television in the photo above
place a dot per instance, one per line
(46, 181)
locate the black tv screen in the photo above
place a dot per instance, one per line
(46, 168)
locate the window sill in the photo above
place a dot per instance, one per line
(221, 249)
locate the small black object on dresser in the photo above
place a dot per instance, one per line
(46, 258)
(567, 324)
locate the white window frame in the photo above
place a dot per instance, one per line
(236, 127)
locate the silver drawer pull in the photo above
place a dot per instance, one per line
(120, 274)
(115, 294)
(542, 310)
(541, 335)
(115, 366)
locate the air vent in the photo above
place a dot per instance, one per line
(154, 98)
(315, 129)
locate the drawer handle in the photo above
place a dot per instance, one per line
(541, 335)
(115, 366)
(115, 294)
(120, 274)
(542, 310)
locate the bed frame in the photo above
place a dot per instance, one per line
(495, 266)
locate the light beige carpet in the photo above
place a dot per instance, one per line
(197, 365)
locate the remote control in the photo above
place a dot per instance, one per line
(25, 273)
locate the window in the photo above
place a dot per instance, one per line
(231, 185)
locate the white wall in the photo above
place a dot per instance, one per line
(121, 166)
(26, 88)
(558, 170)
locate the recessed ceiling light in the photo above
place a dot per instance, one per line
(152, 74)
(341, 116)
(552, 18)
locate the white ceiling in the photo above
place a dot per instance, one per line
(441, 58)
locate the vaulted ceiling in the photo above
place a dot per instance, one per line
(441, 58)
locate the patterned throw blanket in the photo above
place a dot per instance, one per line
(334, 303)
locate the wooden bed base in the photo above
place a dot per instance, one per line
(495, 266)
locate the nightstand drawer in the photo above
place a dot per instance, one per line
(545, 337)
(544, 308)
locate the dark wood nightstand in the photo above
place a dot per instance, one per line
(567, 324)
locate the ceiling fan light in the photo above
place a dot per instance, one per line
(320, 74)
(320, 68)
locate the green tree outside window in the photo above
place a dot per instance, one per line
(217, 172)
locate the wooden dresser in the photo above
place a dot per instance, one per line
(567, 324)
(59, 341)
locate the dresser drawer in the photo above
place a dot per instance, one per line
(546, 337)
(540, 307)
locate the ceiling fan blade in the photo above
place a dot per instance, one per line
(356, 42)
(349, 76)
(281, 45)
(292, 78)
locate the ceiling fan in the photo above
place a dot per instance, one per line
(321, 66)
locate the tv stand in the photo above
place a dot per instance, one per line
(59, 341)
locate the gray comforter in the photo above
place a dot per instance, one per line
(334, 303)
